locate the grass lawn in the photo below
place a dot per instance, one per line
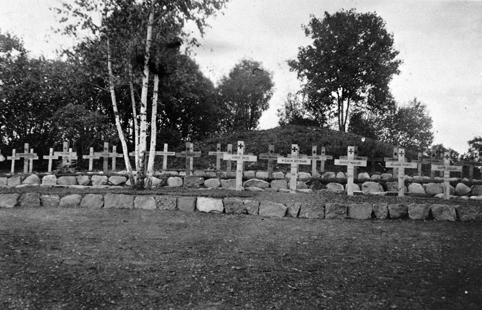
(135, 259)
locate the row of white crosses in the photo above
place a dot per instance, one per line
(67, 156)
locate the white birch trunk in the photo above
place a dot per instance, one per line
(152, 151)
(125, 151)
(143, 109)
(135, 123)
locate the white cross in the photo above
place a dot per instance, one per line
(294, 161)
(446, 168)
(240, 158)
(351, 163)
(401, 165)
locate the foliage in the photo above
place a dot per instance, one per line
(349, 65)
(408, 126)
(294, 113)
(245, 92)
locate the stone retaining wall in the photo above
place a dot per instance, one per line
(376, 184)
(440, 212)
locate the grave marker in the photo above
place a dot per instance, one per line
(446, 168)
(314, 158)
(471, 163)
(164, 153)
(50, 157)
(114, 155)
(189, 154)
(228, 162)
(294, 160)
(271, 156)
(240, 158)
(351, 162)
(401, 165)
(13, 158)
(105, 154)
(219, 156)
(91, 158)
(28, 158)
(66, 154)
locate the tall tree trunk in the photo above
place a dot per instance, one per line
(141, 173)
(152, 151)
(134, 116)
(120, 132)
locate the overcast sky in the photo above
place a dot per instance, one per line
(440, 44)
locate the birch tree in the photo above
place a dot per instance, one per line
(120, 24)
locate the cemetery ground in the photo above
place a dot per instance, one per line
(67, 258)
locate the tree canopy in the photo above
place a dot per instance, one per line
(349, 65)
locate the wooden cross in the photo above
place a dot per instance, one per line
(164, 155)
(314, 158)
(105, 154)
(394, 158)
(50, 157)
(228, 162)
(271, 156)
(91, 158)
(240, 158)
(114, 155)
(401, 165)
(66, 154)
(28, 157)
(446, 168)
(13, 158)
(219, 156)
(189, 154)
(351, 162)
(471, 162)
(294, 160)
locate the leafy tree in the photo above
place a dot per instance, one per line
(349, 65)
(294, 113)
(408, 126)
(126, 25)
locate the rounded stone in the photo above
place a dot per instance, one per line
(461, 189)
(416, 188)
(32, 180)
(212, 183)
(335, 187)
(174, 181)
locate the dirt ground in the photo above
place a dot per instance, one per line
(136, 259)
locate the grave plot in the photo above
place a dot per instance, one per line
(271, 157)
(315, 158)
(240, 158)
(351, 162)
(446, 168)
(189, 154)
(294, 160)
(401, 165)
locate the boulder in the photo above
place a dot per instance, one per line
(433, 188)
(234, 206)
(477, 190)
(118, 201)
(256, 183)
(335, 211)
(372, 187)
(380, 210)
(418, 211)
(386, 176)
(335, 187)
(361, 211)
(469, 213)
(174, 182)
(98, 180)
(376, 177)
(204, 204)
(165, 202)
(293, 209)
(83, 180)
(118, 180)
(50, 201)
(252, 206)
(272, 209)
(156, 182)
(30, 200)
(393, 187)
(199, 173)
(316, 185)
(70, 201)
(417, 179)
(32, 179)
(299, 185)
(67, 180)
(397, 210)
(328, 175)
(304, 175)
(3, 181)
(416, 188)
(462, 190)
(249, 174)
(9, 200)
(212, 183)
(193, 181)
(364, 176)
(187, 204)
(442, 212)
(279, 184)
(228, 183)
(355, 187)
(278, 175)
(341, 175)
(14, 181)
(92, 201)
(261, 175)
(312, 210)
(145, 203)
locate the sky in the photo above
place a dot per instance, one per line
(440, 44)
